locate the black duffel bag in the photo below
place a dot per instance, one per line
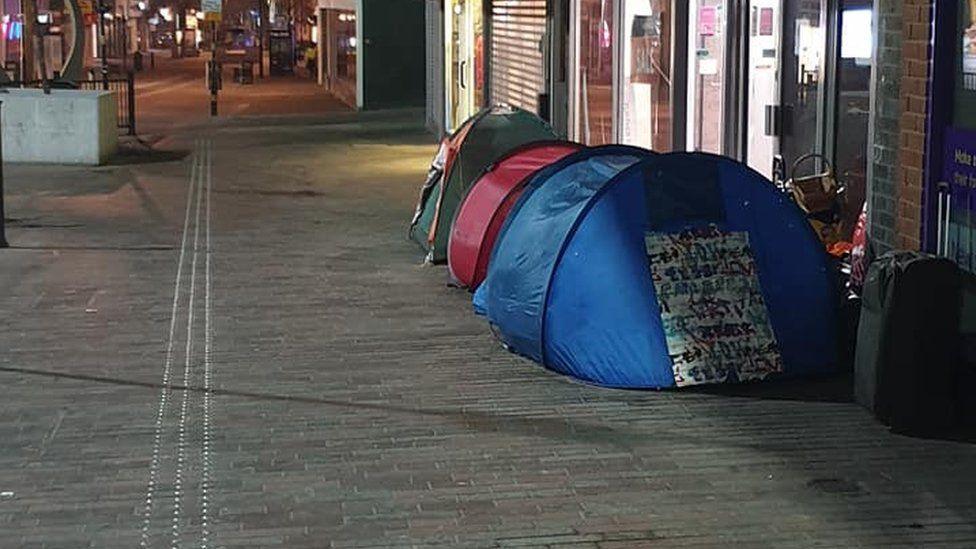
(907, 361)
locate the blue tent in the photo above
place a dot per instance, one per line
(679, 269)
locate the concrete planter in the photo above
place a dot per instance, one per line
(62, 127)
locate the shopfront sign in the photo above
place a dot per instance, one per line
(959, 171)
(960, 158)
(766, 22)
(707, 20)
(211, 9)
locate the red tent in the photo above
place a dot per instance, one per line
(481, 214)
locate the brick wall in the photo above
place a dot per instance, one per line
(886, 118)
(916, 30)
(900, 106)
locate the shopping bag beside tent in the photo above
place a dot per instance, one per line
(483, 210)
(681, 269)
(463, 157)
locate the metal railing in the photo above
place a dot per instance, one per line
(123, 86)
(125, 97)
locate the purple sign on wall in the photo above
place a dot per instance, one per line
(960, 158)
(960, 172)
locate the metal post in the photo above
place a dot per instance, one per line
(38, 39)
(214, 69)
(29, 10)
(103, 44)
(3, 232)
(131, 102)
(125, 37)
(261, 37)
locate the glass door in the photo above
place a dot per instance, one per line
(763, 84)
(463, 60)
(646, 81)
(853, 82)
(707, 61)
(803, 90)
(594, 63)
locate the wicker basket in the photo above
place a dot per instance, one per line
(815, 193)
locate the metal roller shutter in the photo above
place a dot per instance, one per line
(517, 67)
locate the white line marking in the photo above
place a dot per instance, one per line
(181, 444)
(165, 82)
(167, 366)
(207, 370)
(166, 89)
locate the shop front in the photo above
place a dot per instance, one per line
(950, 227)
(482, 52)
(337, 45)
(519, 61)
(371, 52)
(464, 60)
(764, 81)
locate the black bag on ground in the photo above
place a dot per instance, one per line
(908, 347)
(966, 387)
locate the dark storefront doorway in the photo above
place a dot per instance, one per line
(281, 52)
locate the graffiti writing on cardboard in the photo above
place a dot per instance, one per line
(715, 320)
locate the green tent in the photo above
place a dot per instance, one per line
(481, 140)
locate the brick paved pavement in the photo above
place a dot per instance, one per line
(356, 401)
(175, 94)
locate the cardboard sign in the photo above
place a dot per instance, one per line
(714, 316)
